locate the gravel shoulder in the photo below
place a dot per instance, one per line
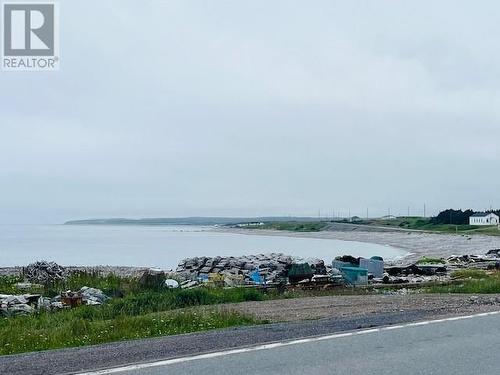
(297, 309)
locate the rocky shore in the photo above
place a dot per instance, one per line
(416, 243)
(122, 271)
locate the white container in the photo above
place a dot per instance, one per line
(374, 266)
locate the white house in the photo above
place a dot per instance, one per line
(483, 218)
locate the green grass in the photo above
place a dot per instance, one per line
(154, 301)
(111, 284)
(295, 226)
(471, 282)
(7, 284)
(429, 260)
(470, 274)
(404, 222)
(69, 328)
(425, 224)
(135, 312)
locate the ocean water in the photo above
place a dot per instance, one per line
(158, 246)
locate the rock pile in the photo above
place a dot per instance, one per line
(17, 305)
(24, 304)
(11, 305)
(43, 272)
(152, 278)
(93, 296)
(271, 267)
(491, 260)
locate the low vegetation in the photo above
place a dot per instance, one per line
(295, 226)
(136, 312)
(470, 274)
(81, 326)
(448, 221)
(471, 282)
(429, 260)
(428, 224)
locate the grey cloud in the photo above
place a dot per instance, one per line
(259, 108)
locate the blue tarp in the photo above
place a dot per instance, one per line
(255, 277)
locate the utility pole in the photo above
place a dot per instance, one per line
(408, 211)
(367, 213)
(424, 211)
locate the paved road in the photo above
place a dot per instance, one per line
(113, 355)
(465, 346)
(69, 361)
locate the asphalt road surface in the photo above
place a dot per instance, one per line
(411, 345)
(75, 360)
(452, 346)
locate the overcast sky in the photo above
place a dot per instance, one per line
(179, 108)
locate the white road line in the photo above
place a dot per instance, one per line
(278, 345)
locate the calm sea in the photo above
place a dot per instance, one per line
(158, 246)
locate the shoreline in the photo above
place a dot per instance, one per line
(122, 271)
(415, 244)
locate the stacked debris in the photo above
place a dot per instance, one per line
(491, 260)
(25, 304)
(92, 296)
(416, 269)
(152, 278)
(317, 265)
(45, 273)
(299, 272)
(271, 268)
(11, 305)
(17, 305)
(69, 298)
(414, 273)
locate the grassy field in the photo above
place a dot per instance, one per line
(294, 226)
(81, 326)
(138, 313)
(411, 223)
(472, 282)
(425, 224)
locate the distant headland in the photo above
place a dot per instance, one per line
(188, 220)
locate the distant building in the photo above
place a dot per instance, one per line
(484, 218)
(252, 224)
(389, 217)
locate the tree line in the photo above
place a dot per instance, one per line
(456, 217)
